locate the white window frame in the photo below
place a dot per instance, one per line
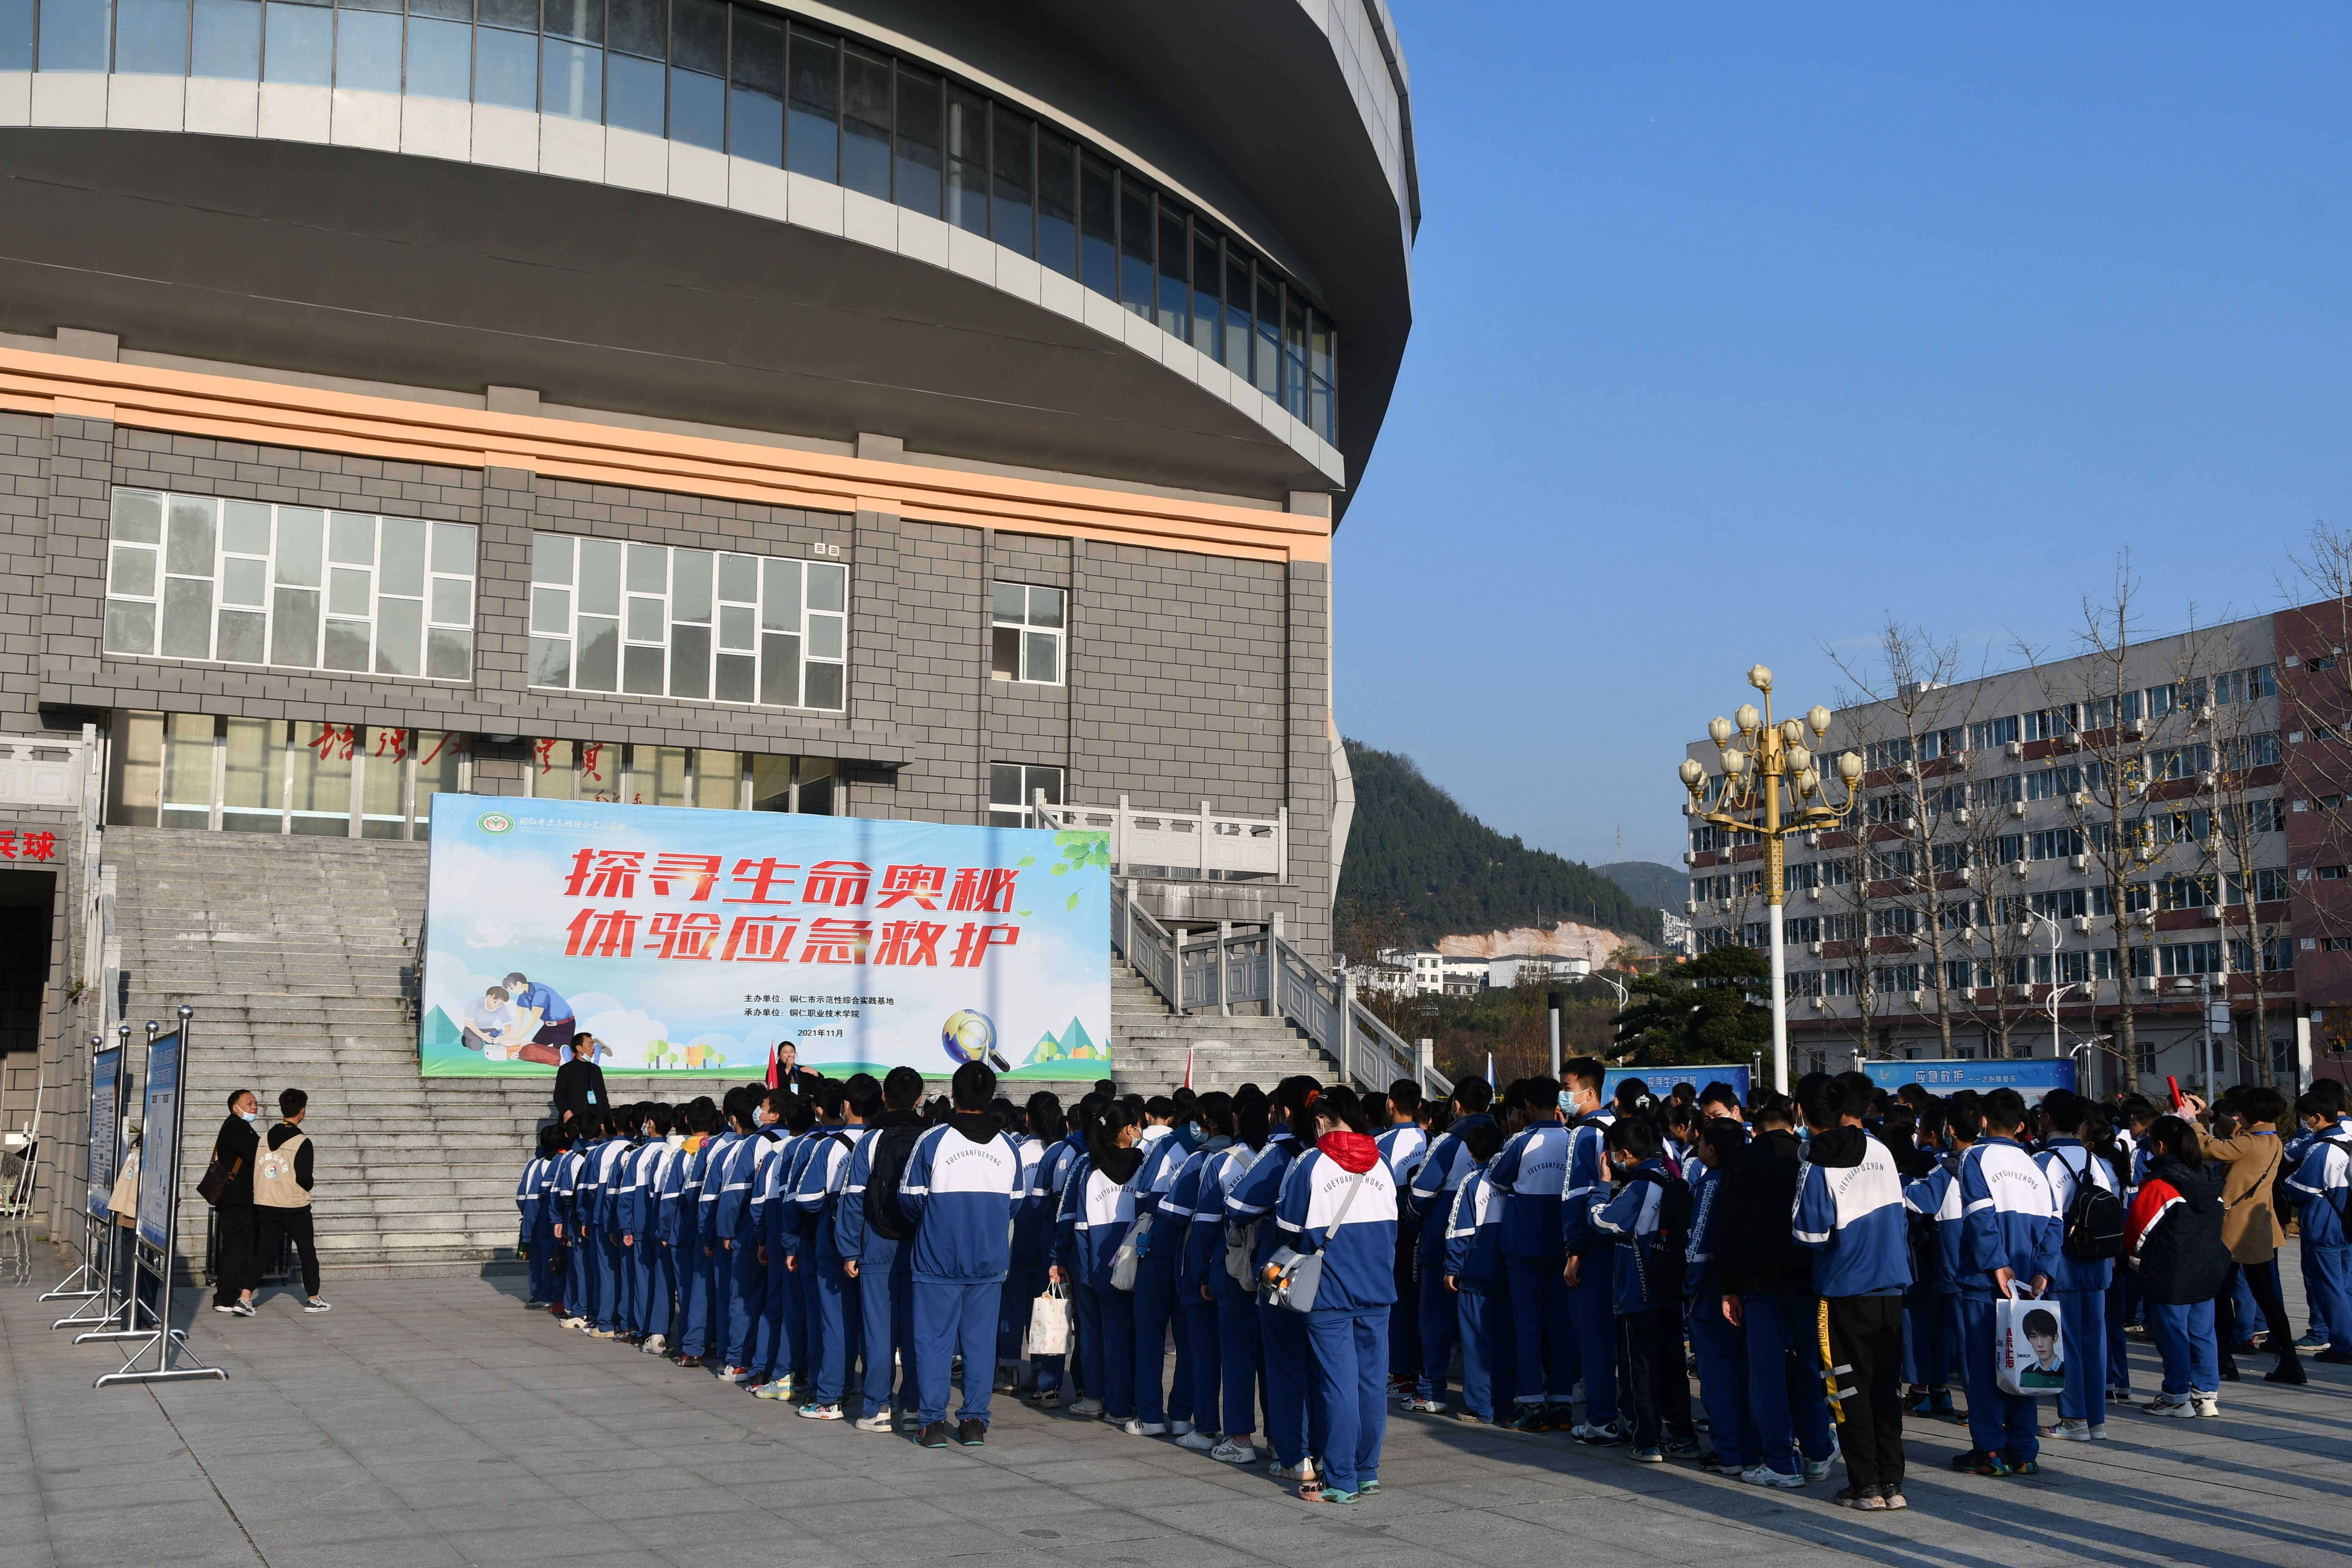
(1032, 776)
(1038, 633)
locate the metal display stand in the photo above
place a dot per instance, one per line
(100, 1246)
(91, 1279)
(158, 1202)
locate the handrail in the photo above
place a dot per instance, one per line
(1203, 842)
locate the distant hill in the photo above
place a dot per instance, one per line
(1418, 866)
(1647, 882)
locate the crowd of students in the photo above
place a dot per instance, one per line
(1314, 1256)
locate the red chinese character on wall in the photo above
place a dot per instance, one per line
(987, 891)
(760, 938)
(841, 883)
(837, 941)
(543, 752)
(40, 846)
(910, 942)
(335, 742)
(972, 943)
(392, 744)
(601, 934)
(605, 874)
(9, 844)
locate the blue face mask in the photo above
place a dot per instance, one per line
(1567, 1102)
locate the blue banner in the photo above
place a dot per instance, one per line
(1660, 1081)
(2031, 1076)
(693, 942)
(159, 1141)
(105, 1125)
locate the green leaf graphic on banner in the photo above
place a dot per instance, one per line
(1074, 899)
(1026, 860)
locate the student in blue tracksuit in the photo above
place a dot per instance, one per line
(782, 1309)
(840, 1323)
(575, 1203)
(1340, 1202)
(1097, 1208)
(1291, 1426)
(1639, 1237)
(788, 1227)
(530, 1202)
(1240, 1341)
(1158, 1408)
(1202, 1249)
(1933, 1341)
(1055, 1161)
(1472, 1269)
(656, 1237)
(2080, 1287)
(1431, 1198)
(629, 1211)
(2321, 1183)
(2009, 1245)
(1530, 1175)
(682, 1228)
(882, 1265)
(1721, 1348)
(1850, 1214)
(1404, 1144)
(1591, 1307)
(611, 1301)
(737, 1277)
(705, 1311)
(959, 1188)
(1769, 1296)
(1041, 1125)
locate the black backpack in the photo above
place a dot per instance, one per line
(892, 1147)
(2095, 1218)
(1670, 1248)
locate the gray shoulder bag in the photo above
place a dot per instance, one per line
(1293, 1278)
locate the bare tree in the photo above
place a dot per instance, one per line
(2244, 830)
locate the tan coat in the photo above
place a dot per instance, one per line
(2249, 1228)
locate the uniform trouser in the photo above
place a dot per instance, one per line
(2082, 1340)
(1294, 1425)
(1996, 1420)
(1440, 1326)
(1545, 1325)
(840, 1325)
(542, 1263)
(1593, 1307)
(885, 1278)
(719, 1274)
(661, 1279)
(2184, 1338)
(1657, 1389)
(2118, 1353)
(812, 1330)
(1013, 1304)
(1196, 1325)
(1405, 1317)
(606, 1248)
(2316, 1293)
(579, 1295)
(1487, 1352)
(1107, 1345)
(780, 1318)
(1351, 1353)
(1238, 1359)
(1786, 1401)
(692, 1273)
(2328, 1275)
(1155, 1309)
(1929, 1319)
(2261, 1281)
(1722, 1351)
(949, 1317)
(1867, 1348)
(747, 1299)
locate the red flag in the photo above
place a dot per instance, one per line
(1187, 1066)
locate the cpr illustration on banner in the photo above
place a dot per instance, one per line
(692, 941)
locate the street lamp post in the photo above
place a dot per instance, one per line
(2057, 989)
(1772, 788)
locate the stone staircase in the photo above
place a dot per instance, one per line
(295, 953)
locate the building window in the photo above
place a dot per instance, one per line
(1012, 791)
(308, 776)
(234, 582)
(1026, 641)
(706, 626)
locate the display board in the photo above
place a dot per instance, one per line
(689, 943)
(1660, 1081)
(2031, 1076)
(159, 1141)
(105, 1126)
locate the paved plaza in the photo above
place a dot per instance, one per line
(435, 1422)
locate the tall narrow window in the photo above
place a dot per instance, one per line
(967, 165)
(1266, 354)
(865, 124)
(1208, 273)
(1136, 228)
(638, 43)
(813, 147)
(1175, 294)
(367, 45)
(297, 46)
(440, 45)
(1098, 226)
(1057, 203)
(1238, 330)
(755, 106)
(572, 60)
(1014, 152)
(505, 53)
(697, 72)
(918, 124)
(152, 37)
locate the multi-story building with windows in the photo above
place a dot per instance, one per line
(910, 410)
(2134, 853)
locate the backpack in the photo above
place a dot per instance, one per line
(1670, 1248)
(2093, 1219)
(892, 1147)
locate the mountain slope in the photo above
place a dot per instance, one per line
(1647, 882)
(1419, 867)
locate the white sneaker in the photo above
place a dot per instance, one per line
(654, 1344)
(2071, 1431)
(1137, 1426)
(2098, 1431)
(876, 1421)
(1302, 1471)
(1766, 1476)
(1199, 1442)
(1089, 1408)
(1181, 1428)
(1819, 1469)
(568, 1323)
(315, 1305)
(2165, 1404)
(2206, 1405)
(1231, 1453)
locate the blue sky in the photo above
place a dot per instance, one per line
(1740, 328)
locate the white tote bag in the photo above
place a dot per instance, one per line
(1049, 1323)
(2029, 1344)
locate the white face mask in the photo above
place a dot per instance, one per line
(250, 1115)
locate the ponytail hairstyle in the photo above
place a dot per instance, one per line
(1253, 1124)
(1294, 1101)
(1341, 1104)
(1046, 1123)
(1215, 1109)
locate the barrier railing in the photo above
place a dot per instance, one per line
(1182, 844)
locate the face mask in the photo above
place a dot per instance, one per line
(251, 1116)
(1568, 1102)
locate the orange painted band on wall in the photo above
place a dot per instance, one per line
(266, 413)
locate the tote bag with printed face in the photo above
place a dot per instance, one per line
(2028, 1354)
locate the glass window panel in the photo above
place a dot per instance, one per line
(1005, 653)
(780, 670)
(187, 617)
(16, 35)
(824, 686)
(780, 606)
(149, 36)
(600, 654)
(755, 106)
(1293, 354)
(299, 540)
(738, 678)
(347, 592)
(1136, 225)
(134, 570)
(245, 528)
(240, 637)
(192, 532)
(645, 619)
(506, 67)
(917, 124)
(697, 36)
(130, 626)
(550, 559)
(697, 108)
(657, 775)
(551, 611)
(772, 783)
(435, 772)
(571, 80)
(188, 770)
(815, 790)
(580, 19)
(1012, 153)
(641, 670)
(440, 58)
(452, 602)
(1012, 603)
(640, 27)
(1265, 357)
(689, 661)
(73, 36)
(827, 586)
(649, 569)
(689, 586)
(865, 124)
(244, 582)
(717, 780)
(1057, 203)
(967, 166)
(138, 516)
(1005, 785)
(1098, 226)
(1237, 314)
(825, 636)
(735, 630)
(550, 662)
(298, 44)
(600, 578)
(1044, 658)
(367, 51)
(1045, 607)
(1175, 293)
(634, 94)
(551, 777)
(739, 579)
(383, 781)
(227, 40)
(391, 5)
(347, 645)
(1208, 272)
(253, 775)
(294, 630)
(518, 16)
(321, 779)
(400, 637)
(815, 106)
(449, 654)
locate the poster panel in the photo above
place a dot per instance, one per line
(2031, 1076)
(1660, 1081)
(159, 1141)
(105, 1126)
(691, 942)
